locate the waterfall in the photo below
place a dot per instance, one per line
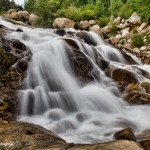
(54, 96)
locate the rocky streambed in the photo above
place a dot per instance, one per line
(17, 135)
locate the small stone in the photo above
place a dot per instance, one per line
(127, 46)
(143, 48)
(114, 40)
(19, 30)
(136, 50)
(117, 20)
(84, 25)
(92, 22)
(126, 34)
(5, 122)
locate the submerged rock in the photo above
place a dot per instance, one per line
(19, 45)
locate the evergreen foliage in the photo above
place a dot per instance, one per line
(88, 9)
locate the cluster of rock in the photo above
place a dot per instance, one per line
(121, 39)
(29, 136)
(22, 16)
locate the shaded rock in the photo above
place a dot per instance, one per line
(22, 65)
(84, 25)
(126, 134)
(86, 37)
(19, 30)
(122, 75)
(145, 144)
(63, 23)
(19, 45)
(135, 19)
(72, 43)
(60, 32)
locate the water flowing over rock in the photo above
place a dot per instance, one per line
(71, 83)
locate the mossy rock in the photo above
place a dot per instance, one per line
(132, 87)
(146, 86)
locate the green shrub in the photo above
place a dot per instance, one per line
(71, 12)
(148, 38)
(115, 7)
(88, 12)
(137, 40)
(113, 29)
(104, 21)
(125, 11)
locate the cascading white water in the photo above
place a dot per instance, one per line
(52, 96)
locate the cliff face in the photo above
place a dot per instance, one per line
(9, 76)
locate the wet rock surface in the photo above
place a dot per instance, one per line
(9, 77)
(29, 137)
(126, 134)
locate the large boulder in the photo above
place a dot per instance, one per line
(19, 45)
(28, 136)
(126, 134)
(122, 75)
(63, 23)
(34, 19)
(135, 19)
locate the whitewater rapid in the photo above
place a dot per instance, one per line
(53, 97)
